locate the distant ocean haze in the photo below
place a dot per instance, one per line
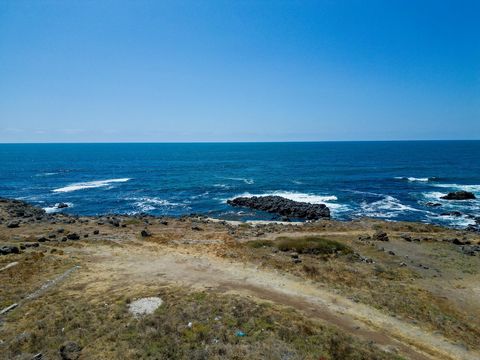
(387, 180)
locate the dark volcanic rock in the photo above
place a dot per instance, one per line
(73, 236)
(7, 249)
(380, 236)
(283, 207)
(13, 224)
(70, 351)
(433, 204)
(459, 195)
(145, 233)
(21, 209)
(62, 206)
(452, 213)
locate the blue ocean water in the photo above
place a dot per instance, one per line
(389, 180)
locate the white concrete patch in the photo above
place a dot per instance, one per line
(145, 306)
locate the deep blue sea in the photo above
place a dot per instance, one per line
(388, 180)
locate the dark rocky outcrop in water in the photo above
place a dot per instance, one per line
(282, 206)
(459, 195)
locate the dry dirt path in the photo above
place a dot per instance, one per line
(151, 264)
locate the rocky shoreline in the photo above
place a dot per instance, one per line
(284, 207)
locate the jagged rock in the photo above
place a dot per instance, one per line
(70, 351)
(73, 236)
(31, 244)
(13, 224)
(364, 237)
(8, 249)
(406, 237)
(459, 195)
(114, 222)
(380, 236)
(145, 233)
(18, 208)
(452, 213)
(62, 206)
(282, 206)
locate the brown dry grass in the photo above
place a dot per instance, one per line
(105, 329)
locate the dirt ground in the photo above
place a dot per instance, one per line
(415, 296)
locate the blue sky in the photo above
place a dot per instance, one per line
(239, 70)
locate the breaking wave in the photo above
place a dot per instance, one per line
(89, 185)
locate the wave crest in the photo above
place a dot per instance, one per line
(89, 185)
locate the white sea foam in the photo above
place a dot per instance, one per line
(47, 174)
(434, 195)
(471, 188)
(89, 185)
(388, 207)
(457, 221)
(245, 180)
(145, 204)
(223, 186)
(412, 179)
(54, 209)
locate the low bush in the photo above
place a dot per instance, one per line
(311, 245)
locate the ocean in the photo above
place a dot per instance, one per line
(386, 180)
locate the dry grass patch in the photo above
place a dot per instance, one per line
(106, 330)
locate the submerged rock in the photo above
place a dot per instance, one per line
(282, 206)
(459, 195)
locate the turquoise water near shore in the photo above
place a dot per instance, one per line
(388, 180)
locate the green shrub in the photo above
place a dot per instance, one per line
(311, 245)
(256, 244)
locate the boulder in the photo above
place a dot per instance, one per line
(145, 233)
(283, 207)
(380, 236)
(459, 195)
(13, 224)
(73, 236)
(62, 206)
(8, 249)
(70, 351)
(433, 204)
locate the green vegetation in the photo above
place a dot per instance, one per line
(303, 245)
(311, 245)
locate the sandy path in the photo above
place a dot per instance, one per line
(149, 264)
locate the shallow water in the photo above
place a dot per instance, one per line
(389, 180)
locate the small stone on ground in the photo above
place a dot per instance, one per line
(145, 306)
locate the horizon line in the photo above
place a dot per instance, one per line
(225, 142)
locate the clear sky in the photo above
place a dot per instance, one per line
(239, 70)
